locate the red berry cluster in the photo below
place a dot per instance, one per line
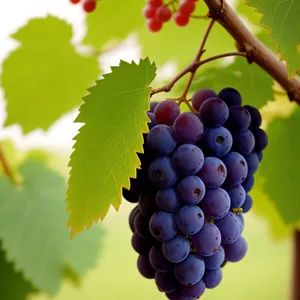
(157, 13)
(88, 5)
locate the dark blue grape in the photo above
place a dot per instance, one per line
(256, 118)
(241, 219)
(162, 226)
(208, 240)
(259, 155)
(214, 261)
(165, 281)
(200, 96)
(252, 162)
(177, 295)
(237, 168)
(166, 112)
(213, 112)
(153, 105)
(239, 119)
(237, 195)
(247, 204)
(236, 251)
(188, 159)
(243, 142)
(132, 216)
(248, 183)
(194, 291)
(152, 122)
(158, 260)
(161, 173)
(141, 225)
(230, 96)
(190, 190)
(189, 219)
(213, 278)
(213, 173)
(140, 244)
(177, 249)
(261, 140)
(130, 196)
(167, 200)
(145, 267)
(216, 203)
(147, 205)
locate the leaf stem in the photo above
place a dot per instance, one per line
(6, 167)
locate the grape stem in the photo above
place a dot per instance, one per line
(296, 266)
(8, 171)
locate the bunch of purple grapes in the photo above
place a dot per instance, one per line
(192, 190)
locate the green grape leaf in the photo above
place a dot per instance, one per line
(282, 19)
(279, 170)
(114, 114)
(113, 20)
(45, 77)
(33, 231)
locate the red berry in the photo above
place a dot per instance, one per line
(74, 1)
(89, 6)
(186, 7)
(149, 11)
(155, 3)
(154, 25)
(163, 13)
(181, 20)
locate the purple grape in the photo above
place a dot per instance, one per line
(190, 190)
(241, 219)
(162, 226)
(132, 216)
(177, 249)
(161, 173)
(259, 155)
(147, 205)
(230, 228)
(208, 240)
(194, 291)
(239, 119)
(158, 260)
(213, 173)
(248, 183)
(189, 219)
(236, 251)
(178, 296)
(261, 140)
(152, 122)
(188, 128)
(167, 200)
(237, 195)
(230, 96)
(252, 162)
(191, 270)
(153, 105)
(214, 261)
(237, 168)
(217, 141)
(145, 267)
(140, 244)
(247, 204)
(130, 196)
(141, 225)
(215, 204)
(188, 159)
(213, 112)
(166, 281)
(213, 278)
(166, 112)
(243, 142)
(200, 96)
(256, 118)
(161, 140)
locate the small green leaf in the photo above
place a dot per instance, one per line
(45, 77)
(33, 230)
(105, 157)
(283, 19)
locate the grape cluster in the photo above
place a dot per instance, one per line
(88, 5)
(157, 13)
(192, 190)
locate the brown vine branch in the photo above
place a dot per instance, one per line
(6, 167)
(296, 266)
(257, 52)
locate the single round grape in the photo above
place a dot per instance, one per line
(141, 225)
(162, 226)
(155, 3)
(259, 155)
(149, 12)
(188, 128)
(177, 249)
(208, 240)
(200, 96)
(213, 173)
(89, 5)
(75, 1)
(194, 291)
(186, 7)
(153, 104)
(177, 295)
(191, 270)
(145, 267)
(188, 159)
(217, 141)
(213, 112)
(154, 25)
(189, 219)
(214, 261)
(248, 183)
(180, 19)
(230, 228)
(247, 204)
(165, 281)
(190, 190)
(230, 96)
(152, 122)
(158, 260)
(237, 168)
(161, 173)
(216, 203)
(236, 251)
(213, 278)
(252, 162)
(140, 244)
(130, 196)
(167, 200)
(256, 118)
(132, 216)
(261, 140)
(237, 195)
(147, 205)
(164, 13)
(166, 112)
(243, 142)
(242, 220)
(239, 119)
(161, 140)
